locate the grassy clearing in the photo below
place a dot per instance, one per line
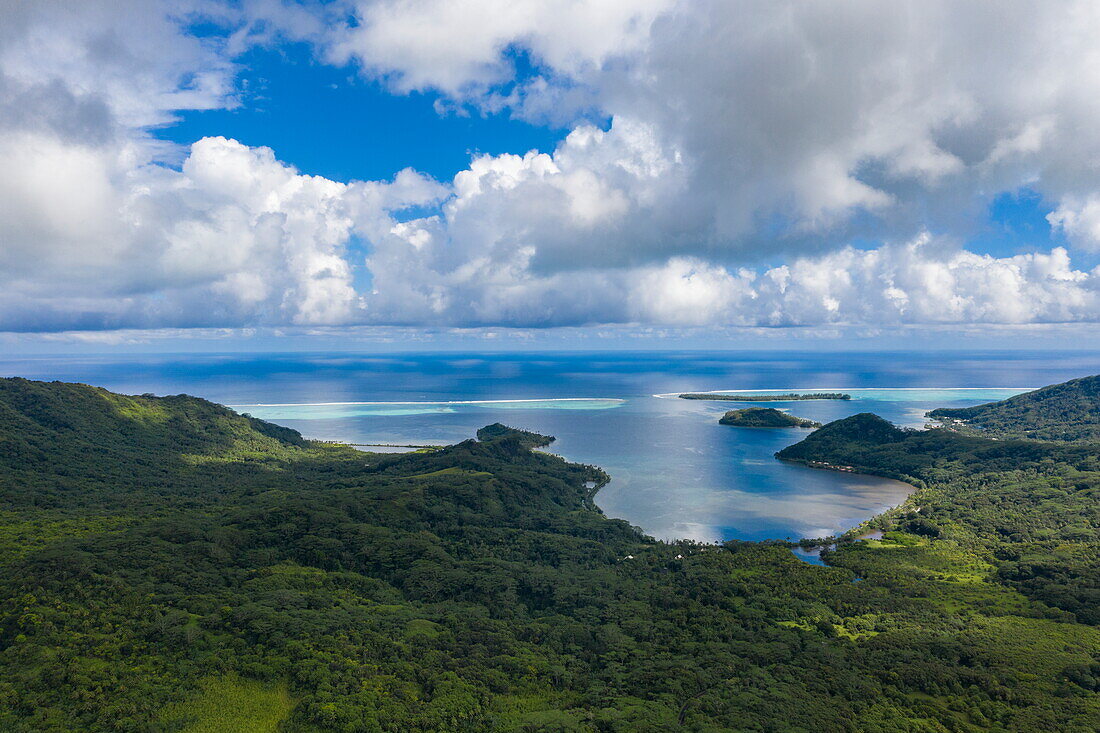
(451, 472)
(950, 577)
(230, 704)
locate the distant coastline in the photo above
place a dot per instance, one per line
(789, 397)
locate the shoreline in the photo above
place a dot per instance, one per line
(591, 490)
(859, 532)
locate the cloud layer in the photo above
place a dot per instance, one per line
(739, 148)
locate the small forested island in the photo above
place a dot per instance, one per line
(791, 397)
(167, 564)
(765, 417)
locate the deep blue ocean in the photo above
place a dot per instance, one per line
(675, 471)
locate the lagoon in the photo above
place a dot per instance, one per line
(675, 471)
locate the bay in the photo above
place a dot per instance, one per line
(675, 471)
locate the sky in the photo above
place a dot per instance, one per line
(423, 174)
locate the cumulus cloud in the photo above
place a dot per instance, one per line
(739, 147)
(921, 282)
(1079, 218)
(97, 232)
(461, 48)
(234, 237)
(798, 121)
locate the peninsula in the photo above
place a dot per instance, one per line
(1064, 412)
(765, 417)
(789, 397)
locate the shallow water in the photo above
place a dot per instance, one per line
(811, 555)
(675, 471)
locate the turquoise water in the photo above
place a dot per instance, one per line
(675, 471)
(335, 410)
(885, 394)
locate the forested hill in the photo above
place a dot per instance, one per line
(167, 565)
(1032, 506)
(1067, 411)
(58, 416)
(71, 444)
(497, 430)
(765, 417)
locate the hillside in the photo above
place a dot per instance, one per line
(765, 417)
(846, 437)
(526, 437)
(1033, 507)
(1067, 411)
(167, 565)
(68, 445)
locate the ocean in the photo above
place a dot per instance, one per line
(676, 472)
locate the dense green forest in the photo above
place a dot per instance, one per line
(169, 565)
(497, 430)
(789, 397)
(765, 417)
(1031, 507)
(1067, 411)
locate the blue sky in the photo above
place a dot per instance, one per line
(301, 174)
(333, 122)
(1017, 223)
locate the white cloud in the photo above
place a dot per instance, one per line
(126, 57)
(461, 47)
(97, 233)
(234, 237)
(1079, 218)
(925, 282)
(921, 282)
(740, 133)
(799, 115)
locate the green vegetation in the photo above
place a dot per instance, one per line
(789, 397)
(1029, 509)
(765, 417)
(229, 704)
(1067, 411)
(525, 437)
(185, 567)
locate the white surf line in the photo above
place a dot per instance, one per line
(785, 390)
(433, 402)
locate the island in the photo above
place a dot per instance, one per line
(765, 417)
(167, 564)
(789, 397)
